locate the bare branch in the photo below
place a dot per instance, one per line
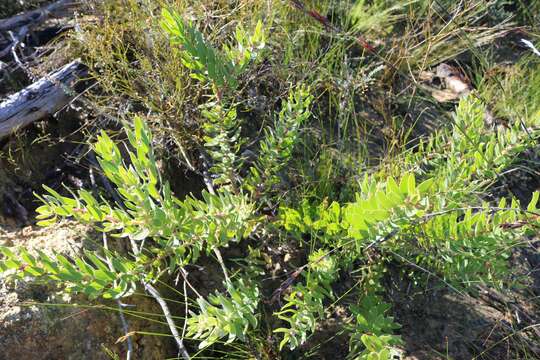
(44, 97)
(34, 17)
(172, 326)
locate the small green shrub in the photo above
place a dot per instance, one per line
(427, 208)
(221, 316)
(305, 303)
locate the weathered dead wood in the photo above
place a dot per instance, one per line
(16, 28)
(34, 17)
(15, 40)
(44, 97)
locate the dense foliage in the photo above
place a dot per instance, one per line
(427, 210)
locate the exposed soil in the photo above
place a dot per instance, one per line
(38, 322)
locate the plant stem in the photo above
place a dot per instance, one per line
(123, 321)
(172, 326)
(222, 263)
(152, 290)
(125, 328)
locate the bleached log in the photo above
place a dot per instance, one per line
(45, 97)
(33, 17)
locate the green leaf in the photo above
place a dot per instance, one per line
(532, 204)
(97, 262)
(425, 186)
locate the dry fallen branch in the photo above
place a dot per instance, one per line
(34, 17)
(16, 28)
(16, 38)
(44, 97)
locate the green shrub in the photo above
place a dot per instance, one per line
(427, 207)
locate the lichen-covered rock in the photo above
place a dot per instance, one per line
(38, 322)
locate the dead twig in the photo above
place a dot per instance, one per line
(34, 17)
(15, 40)
(166, 312)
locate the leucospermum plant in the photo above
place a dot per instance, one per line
(427, 214)
(165, 234)
(438, 225)
(220, 67)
